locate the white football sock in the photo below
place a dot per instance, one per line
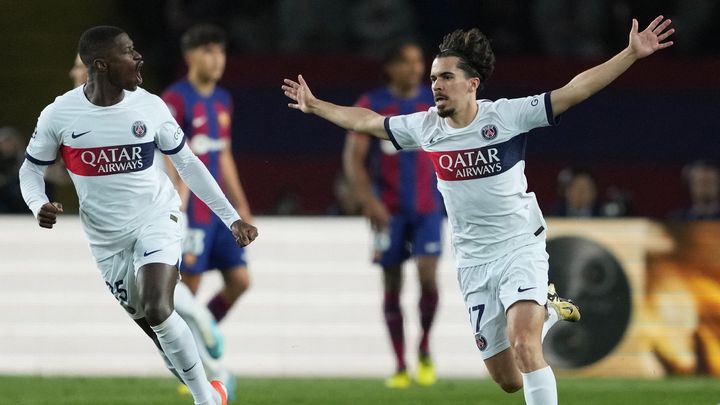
(552, 318)
(179, 347)
(539, 387)
(170, 366)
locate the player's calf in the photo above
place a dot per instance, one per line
(237, 281)
(525, 321)
(504, 372)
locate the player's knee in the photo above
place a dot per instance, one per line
(510, 386)
(427, 269)
(428, 284)
(520, 345)
(242, 284)
(525, 348)
(157, 312)
(236, 286)
(392, 279)
(392, 287)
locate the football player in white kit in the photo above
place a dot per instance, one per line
(498, 232)
(107, 132)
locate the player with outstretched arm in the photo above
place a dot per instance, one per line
(498, 232)
(107, 132)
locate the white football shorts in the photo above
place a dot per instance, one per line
(159, 241)
(491, 288)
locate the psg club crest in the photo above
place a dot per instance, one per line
(139, 129)
(481, 342)
(489, 132)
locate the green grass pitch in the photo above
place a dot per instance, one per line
(150, 391)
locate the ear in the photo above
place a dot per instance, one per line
(100, 65)
(474, 84)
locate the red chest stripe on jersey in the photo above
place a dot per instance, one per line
(477, 163)
(426, 187)
(107, 160)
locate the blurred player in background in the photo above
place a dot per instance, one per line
(477, 148)
(107, 132)
(399, 197)
(204, 111)
(78, 73)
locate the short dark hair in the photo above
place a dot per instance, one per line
(569, 174)
(95, 42)
(473, 49)
(394, 52)
(200, 35)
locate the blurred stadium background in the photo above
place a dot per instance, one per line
(649, 283)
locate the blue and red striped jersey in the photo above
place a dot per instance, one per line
(206, 122)
(404, 180)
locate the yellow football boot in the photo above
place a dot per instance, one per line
(399, 380)
(183, 390)
(565, 308)
(425, 374)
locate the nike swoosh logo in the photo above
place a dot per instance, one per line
(74, 135)
(146, 254)
(191, 367)
(520, 289)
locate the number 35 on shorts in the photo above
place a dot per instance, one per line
(121, 294)
(476, 313)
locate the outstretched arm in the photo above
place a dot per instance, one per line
(589, 82)
(351, 118)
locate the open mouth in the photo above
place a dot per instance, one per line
(440, 97)
(138, 72)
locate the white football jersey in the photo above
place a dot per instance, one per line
(109, 153)
(480, 172)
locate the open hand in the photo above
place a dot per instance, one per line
(300, 93)
(244, 233)
(647, 42)
(47, 216)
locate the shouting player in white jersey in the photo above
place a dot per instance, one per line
(107, 132)
(498, 232)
